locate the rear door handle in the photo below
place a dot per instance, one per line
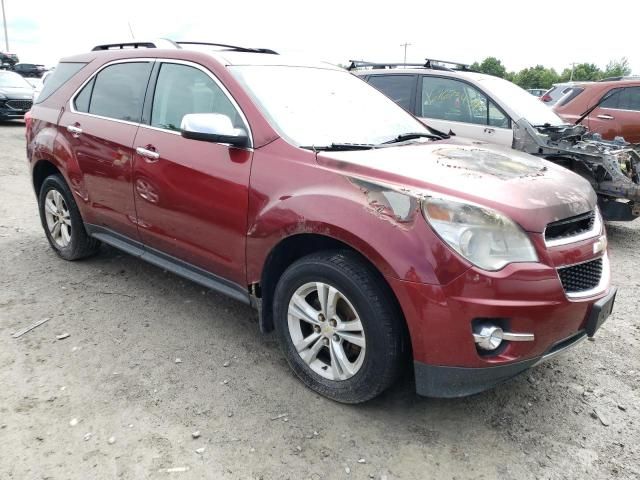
(74, 131)
(490, 131)
(604, 116)
(149, 155)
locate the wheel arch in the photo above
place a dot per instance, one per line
(41, 170)
(292, 248)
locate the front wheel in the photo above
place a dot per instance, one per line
(338, 326)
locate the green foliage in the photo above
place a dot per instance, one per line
(490, 66)
(542, 77)
(617, 68)
(536, 77)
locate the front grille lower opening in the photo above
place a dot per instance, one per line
(570, 227)
(582, 277)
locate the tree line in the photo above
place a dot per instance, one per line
(542, 77)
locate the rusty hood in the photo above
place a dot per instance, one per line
(532, 191)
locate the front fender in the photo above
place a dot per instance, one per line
(291, 197)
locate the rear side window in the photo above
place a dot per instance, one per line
(398, 88)
(117, 91)
(81, 103)
(569, 94)
(630, 99)
(63, 73)
(181, 90)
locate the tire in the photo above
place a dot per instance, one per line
(71, 240)
(356, 362)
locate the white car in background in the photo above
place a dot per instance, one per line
(462, 102)
(458, 101)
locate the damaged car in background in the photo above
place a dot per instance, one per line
(451, 98)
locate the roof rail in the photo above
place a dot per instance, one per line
(440, 65)
(429, 63)
(126, 45)
(235, 48)
(166, 43)
(380, 65)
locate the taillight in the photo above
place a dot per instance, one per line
(28, 120)
(546, 98)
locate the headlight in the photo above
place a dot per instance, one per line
(483, 236)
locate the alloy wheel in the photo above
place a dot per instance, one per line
(58, 218)
(326, 331)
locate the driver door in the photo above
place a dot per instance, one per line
(191, 196)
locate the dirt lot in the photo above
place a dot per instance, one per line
(113, 401)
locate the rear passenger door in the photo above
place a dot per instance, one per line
(191, 196)
(451, 105)
(98, 127)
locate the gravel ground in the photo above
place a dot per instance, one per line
(151, 358)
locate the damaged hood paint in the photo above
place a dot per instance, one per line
(532, 191)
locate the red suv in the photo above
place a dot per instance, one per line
(367, 241)
(610, 108)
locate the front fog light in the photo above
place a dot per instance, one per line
(489, 337)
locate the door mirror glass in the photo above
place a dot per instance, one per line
(213, 127)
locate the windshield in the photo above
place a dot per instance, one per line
(12, 80)
(520, 101)
(320, 107)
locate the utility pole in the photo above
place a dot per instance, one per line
(405, 45)
(133, 37)
(4, 22)
(573, 66)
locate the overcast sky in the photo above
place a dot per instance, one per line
(521, 34)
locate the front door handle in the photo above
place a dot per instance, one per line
(604, 116)
(74, 130)
(149, 155)
(489, 131)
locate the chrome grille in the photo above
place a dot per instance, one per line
(582, 277)
(570, 227)
(19, 104)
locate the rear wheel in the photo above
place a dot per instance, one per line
(62, 222)
(338, 326)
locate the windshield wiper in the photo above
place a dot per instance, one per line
(338, 147)
(411, 136)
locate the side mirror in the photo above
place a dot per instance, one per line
(213, 127)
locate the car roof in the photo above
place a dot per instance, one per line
(226, 57)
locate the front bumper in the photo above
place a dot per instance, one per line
(452, 382)
(526, 298)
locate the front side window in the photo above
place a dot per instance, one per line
(398, 88)
(181, 90)
(324, 106)
(449, 99)
(630, 99)
(118, 91)
(612, 100)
